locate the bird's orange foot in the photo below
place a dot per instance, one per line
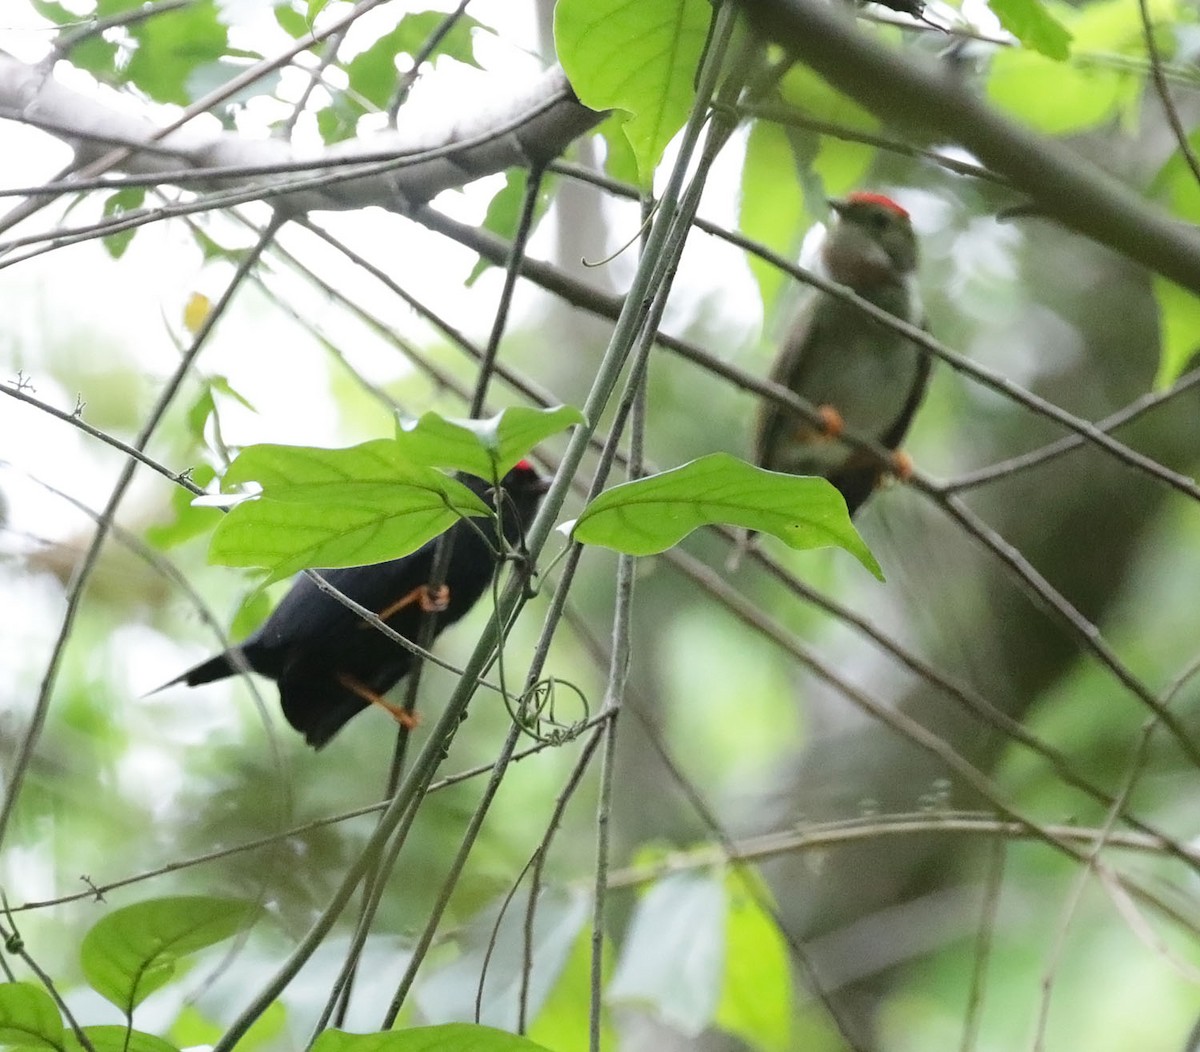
(832, 422)
(401, 715)
(408, 720)
(432, 601)
(435, 601)
(902, 465)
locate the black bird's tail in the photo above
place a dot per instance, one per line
(214, 668)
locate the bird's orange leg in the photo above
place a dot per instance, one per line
(902, 465)
(432, 602)
(832, 422)
(400, 714)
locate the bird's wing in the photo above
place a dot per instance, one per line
(894, 435)
(787, 371)
(307, 613)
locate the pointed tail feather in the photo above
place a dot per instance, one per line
(214, 668)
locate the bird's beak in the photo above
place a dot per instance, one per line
(837, 205)
(541, 486)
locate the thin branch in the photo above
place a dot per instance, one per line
(75, 419)
(983, 944)
(820, 837)
(1051, 599)
(1025, 461)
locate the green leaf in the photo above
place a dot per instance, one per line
(1034, 26)
(772, 208)
(1175, 184)
(222, 385)
(252, 611)
(339, 120)
(335, 507)
(134, 951)
(416, 30)
(373, 73)
(639, 57)
(1052, 97)
(674, 952)
(830, 165)
(95, 55)
(29, 1017)
(371, 502)
(1060, 98)
(1179, 323)
(620, 161)
(756, 992)
(173, 44)
(650, 515)
(816, 99)
(562, 1022)
(192, 1028)
(119, 1039)
(54, 12)
(198, 413)
(1116, 25)
(486, 448)
(291, 21)
(504, 212)
(117, 204)
(451, 1037)
(190, 520)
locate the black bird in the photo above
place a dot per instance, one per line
(329, 663)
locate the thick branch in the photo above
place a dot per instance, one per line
(920, 96)
(447, 149)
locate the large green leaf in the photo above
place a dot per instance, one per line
(133, 951)
(336, 507)
(29, 1017)
(563, 1020)
(652, 514)
(451, 1037)
(371, 502)
(639, 57)
(756, 990)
